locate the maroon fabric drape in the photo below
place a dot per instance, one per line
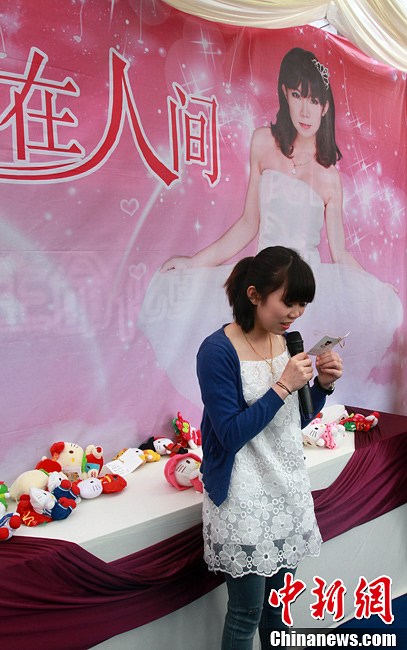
(55, 593)
(65, 597)
(373, 482)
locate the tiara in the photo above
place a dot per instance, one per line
(323, 71)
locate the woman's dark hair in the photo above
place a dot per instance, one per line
(270, 269)
(298, 71)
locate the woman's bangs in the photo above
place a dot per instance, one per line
(300, 286)
(307, 84)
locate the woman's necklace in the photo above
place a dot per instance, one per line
(300, 164)
(269, 363)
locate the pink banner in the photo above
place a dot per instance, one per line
(125, 130)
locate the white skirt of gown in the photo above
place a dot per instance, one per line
(182, 307)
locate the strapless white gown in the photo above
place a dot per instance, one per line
(181, 307)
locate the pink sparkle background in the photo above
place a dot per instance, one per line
(76, 257)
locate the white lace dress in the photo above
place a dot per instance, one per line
(268, 520)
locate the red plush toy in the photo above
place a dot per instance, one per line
(48, 465)
(94, 460)
(112, 483)
(187, 435)
(8, 525)
(359, 422)
(28, 515)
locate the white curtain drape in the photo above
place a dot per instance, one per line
(377, 27)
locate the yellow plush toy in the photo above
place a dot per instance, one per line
(32, 478)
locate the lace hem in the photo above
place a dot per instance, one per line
(265, 559)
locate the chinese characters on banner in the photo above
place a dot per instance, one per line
(200, 131)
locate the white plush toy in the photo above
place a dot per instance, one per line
(90, 488)
(183, 471)
(326, 430)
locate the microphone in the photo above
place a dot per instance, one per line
(295, 345)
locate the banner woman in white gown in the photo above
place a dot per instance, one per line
(293, 164)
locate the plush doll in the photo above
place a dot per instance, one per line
(313, 432)
(42, 501)
(63, 508)
(71, 457)
(37, 477)
(176, 448)
(161, 446)
(323, 434)
(9, 523)
(64, 489)
(32, 478)
(94, 460)
(55, 479)
(182, 472)
(151, 456)
(187, 435)
(90, 488)
(332, 435)
(47, 504)
(358, 422)
(29, 517)
(48, 465)
(112, 483)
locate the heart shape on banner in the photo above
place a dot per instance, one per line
(129, 207)
(137, 270)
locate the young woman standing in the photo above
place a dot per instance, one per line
(258, 514)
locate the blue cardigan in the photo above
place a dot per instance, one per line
(228, 422)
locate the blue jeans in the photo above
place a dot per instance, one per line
(248, 609)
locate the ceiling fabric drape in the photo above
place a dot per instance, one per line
(377, 27)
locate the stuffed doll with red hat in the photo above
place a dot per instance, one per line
(359, 422)
(182, 472)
